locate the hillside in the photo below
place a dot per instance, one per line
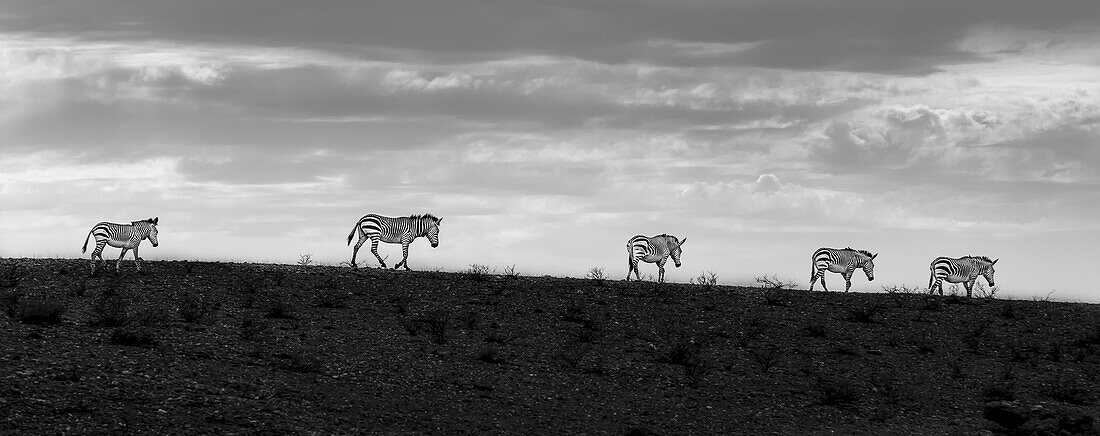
(241, 348)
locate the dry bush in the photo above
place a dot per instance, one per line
(110, 311)
(596, 275)
(478, 272)
(194, 308)
(706, 279)
(41, 310)
(305, 259)
(510, 272)
(767, 358)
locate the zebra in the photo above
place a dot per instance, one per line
(841, 261)
(400, 230)
(963, 270)
(652, 250)
(124, 236)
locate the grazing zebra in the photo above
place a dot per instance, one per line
(963, 270)
(653, 250)
(401, 230)
(124, 236)
(841, 261)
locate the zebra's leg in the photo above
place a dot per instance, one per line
(822, 275)
(847, 281)
(813, 278)
(118, 265)
(937, 284)
(355, 251)
(137, 259)
(661, 271)
(98, 252)
(404, 257)
(374, 249)
(968, 285)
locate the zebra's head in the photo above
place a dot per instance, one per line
(987, 271)
(675, 250)
(869, 265)
(153, 230)
(433, 230)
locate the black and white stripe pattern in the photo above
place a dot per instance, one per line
(844, 261)
(124, 236)
(963, 270)
(652, 250)
(401, 230)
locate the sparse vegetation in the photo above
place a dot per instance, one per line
(478, 273)
(864, 314)
(510, 272)
(595, 274)
(305, 259)
(194, 308)
(767, 358)
(41, 311)
(706, 279)
(625, 352)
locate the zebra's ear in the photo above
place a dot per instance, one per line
(155, 220)
(682, 241)
(995, 261)
(439, 221)
(873, 256)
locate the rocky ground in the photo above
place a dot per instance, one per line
(190, 347)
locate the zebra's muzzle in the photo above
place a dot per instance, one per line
(435, 245)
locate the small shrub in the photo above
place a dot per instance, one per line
(194, 308)
(899, 290)
(305, 259)
(596, 275)
(510, 273)
(749, 333)
(279, 306)
(133, 338)
(332, 298)
(489, 354)
(110, 311)
(774, 282)
(777, 297)
(574, 312)
(478, 273)
(696, 372)
(706, 279)
(151, 316)
(767, 358)
(41, 311)
(572, 354)
(299, 361)
(437, 322)
(836, 392)
(682, 351)
(865, 314)
(931, 304)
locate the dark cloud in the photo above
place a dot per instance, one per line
(852, 35)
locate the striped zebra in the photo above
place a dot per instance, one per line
(400, 230)
(124, 236)
(841, 261)
(963, 270)
(653, 250)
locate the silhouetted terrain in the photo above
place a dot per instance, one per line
(193, 347)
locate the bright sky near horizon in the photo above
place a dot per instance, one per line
(547, 133)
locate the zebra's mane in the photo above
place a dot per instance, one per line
(981, 258)
(864, 252)
(424, 216)
(148, 221)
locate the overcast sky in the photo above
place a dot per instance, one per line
(548, 133)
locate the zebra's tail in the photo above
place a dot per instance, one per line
(85, 248)
(931, 277)
(352, 234)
